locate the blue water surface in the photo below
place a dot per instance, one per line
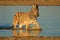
(49, 19)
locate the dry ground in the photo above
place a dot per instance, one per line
(30, 38)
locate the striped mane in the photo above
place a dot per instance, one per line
(35, 10)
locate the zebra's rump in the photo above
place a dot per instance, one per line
(25, 15)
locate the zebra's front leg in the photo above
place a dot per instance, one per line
(37, 26)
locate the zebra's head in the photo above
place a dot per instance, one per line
(35, 10)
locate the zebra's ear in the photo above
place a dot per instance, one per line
(35, 6)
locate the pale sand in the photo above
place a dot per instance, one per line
(30, 38)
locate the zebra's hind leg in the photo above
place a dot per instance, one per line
(27, 26)
(20, 26)
(14, 25)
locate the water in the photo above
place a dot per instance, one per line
(50, 27)
(46, 31)
(49, 20)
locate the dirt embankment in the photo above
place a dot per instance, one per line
(30, 38)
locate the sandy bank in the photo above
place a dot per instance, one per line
(30, 38)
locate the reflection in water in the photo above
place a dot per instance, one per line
(25, 32)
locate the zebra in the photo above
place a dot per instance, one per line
(26, 18)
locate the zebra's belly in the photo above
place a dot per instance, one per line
(25, 22)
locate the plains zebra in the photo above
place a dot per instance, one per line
(26, 18)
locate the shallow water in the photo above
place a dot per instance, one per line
(46, 31)
(49, 20)
(10, 33)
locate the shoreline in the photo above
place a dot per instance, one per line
(31, 38)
